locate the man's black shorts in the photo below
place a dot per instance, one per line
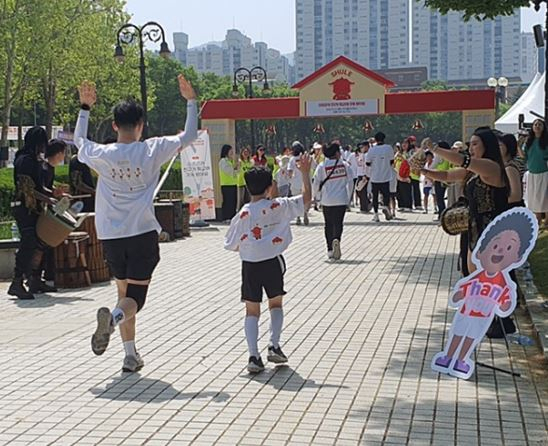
(268, 274)
(133, 257)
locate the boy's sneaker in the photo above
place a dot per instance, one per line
(306, 220)
(276, 355)
(386, 213)
(329, 254)
(105, 327)
(298, 222)
(255, 365)
(376, 218)
(133, 364)
(336, 249)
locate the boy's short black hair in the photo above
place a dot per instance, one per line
(258, 180)
(519, 222)
(331, 150)
(380, 137)
(55, 146)
(128, 114)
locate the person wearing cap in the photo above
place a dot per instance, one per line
(455, 190)
(333, 187)
(380, 160)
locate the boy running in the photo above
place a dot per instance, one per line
(128, 175)
(261, 233)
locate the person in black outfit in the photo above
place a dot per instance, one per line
(55, 154)
(81, 182)
(28, 178)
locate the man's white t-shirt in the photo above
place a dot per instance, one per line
(380, 157)
(261, 231)
(128, 176)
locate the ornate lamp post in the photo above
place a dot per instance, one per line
(244, 75)
(130, 33)
(500, 93)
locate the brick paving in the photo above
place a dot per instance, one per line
(359, 334)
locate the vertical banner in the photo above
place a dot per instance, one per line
(198, 178)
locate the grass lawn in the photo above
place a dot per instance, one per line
(5, 230)
(539, 263)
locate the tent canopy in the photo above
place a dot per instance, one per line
(531, 100)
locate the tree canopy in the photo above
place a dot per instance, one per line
(485, 9)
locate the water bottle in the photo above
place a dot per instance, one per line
(14, 232)
(519, 339)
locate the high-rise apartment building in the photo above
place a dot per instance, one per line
(374, 33)
(453, 49)
(237, 50)
(528, 57)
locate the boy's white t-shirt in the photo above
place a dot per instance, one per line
(261, 230)
(128, 176)
(380, 157)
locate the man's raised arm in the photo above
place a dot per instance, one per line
(88, 97)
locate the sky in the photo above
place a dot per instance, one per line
(271, 21)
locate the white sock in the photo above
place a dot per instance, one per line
(129, 347)
(276, 323)
(118, 316)
(252, 335)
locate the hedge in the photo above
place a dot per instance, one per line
(7, 188)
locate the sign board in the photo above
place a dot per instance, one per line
(198, 178)
(342, 108)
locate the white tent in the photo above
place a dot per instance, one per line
(531, 100)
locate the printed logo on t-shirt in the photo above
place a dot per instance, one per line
(340, 172)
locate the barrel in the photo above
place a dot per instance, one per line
(98, 267)
(69, 270)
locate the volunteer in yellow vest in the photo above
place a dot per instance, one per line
(245, 165)
(228, 174)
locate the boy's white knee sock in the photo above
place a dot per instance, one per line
(276, 324)
(252, 335)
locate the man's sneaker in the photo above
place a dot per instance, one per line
(298, 222)
(255, 365)
(18, 290)
(276, 355)
(133, 364)
(386, 213)
(105, 327)
(329, 254)
(336, 249)
(306, 220)
(376, 218)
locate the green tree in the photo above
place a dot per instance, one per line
(485, 9)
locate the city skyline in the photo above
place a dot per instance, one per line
(277, 29)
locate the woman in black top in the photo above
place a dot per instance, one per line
(515, 169)
(487, 190)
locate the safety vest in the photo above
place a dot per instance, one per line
(272, 164)
(227, 180)
(244, 167)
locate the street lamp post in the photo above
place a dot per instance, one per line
(537, 4)
(500, 93)
(130, 33)
(243, 75)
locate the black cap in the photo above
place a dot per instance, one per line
(444, 145)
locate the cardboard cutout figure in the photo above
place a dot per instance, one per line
(503, 246)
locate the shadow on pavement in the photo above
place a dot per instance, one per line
(46, 300)
(285, 378)
(133, 387)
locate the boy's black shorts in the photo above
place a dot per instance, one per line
(268, 274)
(133, 257)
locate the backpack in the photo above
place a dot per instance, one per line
(405, 169)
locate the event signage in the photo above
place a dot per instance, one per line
(198, 178)
(342, 107)
(489, 291)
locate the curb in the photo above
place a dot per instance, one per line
(534, 306)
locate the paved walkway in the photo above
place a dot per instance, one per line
(359, 334)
